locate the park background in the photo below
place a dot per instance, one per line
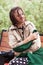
(33, 11)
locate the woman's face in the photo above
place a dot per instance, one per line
(19, 15)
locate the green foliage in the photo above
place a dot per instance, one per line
(5, 6)
(33, 10)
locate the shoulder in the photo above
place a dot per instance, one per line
(29, 23)
(30, 26)
(11, 28)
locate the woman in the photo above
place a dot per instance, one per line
(24, 40)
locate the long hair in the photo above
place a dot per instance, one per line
(12, 17)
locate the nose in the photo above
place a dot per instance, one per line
(21, 16)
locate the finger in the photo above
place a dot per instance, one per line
(37, 33)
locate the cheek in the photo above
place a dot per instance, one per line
(18, 18)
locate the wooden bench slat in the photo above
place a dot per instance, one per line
(5, 42)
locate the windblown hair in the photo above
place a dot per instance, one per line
(12, 17)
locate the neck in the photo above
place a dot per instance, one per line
(20, 25)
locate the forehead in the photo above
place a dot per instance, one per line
(18, 11)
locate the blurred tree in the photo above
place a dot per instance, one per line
(33, 10)
(5, 6)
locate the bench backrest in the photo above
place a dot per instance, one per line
(4, 45)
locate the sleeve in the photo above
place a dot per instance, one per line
(12, 39)
(15, 45)
(36, 43)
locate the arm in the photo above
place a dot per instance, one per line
(12, 39)
(13, 42)
(36, 45)
(37, 42)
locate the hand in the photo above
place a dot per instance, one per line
(17, 53)
(34, 36)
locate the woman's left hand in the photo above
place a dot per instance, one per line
(17, 53)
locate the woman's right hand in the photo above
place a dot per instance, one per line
(34, 36)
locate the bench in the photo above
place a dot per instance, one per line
(4, 45)
(6, 53)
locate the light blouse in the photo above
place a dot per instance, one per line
(16, 35)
